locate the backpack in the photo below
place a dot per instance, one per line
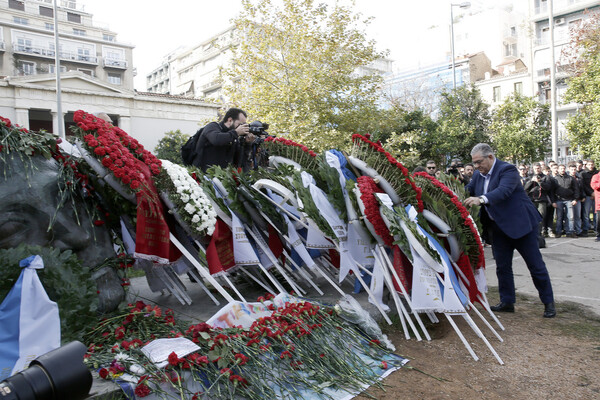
(188, 150)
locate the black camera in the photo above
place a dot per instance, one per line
(57, 375)
(454, 166)
(258, 128)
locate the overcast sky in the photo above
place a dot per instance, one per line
(415, 32)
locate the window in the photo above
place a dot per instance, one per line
(518, 87)
(83, 54)
(86, 71)
(46, 11)
(496, 94)
(513, 31)
(78, 32)
(108, 38)
(24, 45)
(52, 68)
(26, 67)
(115, 79)
(72, 17)
(49, 26)
(20, 21)
(16, 5)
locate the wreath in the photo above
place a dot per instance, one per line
(389, 168)
(188, 198)
(445, 204)
(368, 188)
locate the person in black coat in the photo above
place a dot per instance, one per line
(538, 187)
(225, 143)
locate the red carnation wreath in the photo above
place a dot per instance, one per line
(398, 176)
(465, 215)
(368, 188)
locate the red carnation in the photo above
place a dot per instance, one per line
(103, 373)
(142, 390)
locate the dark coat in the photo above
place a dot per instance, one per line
(539, 192)
(565, 188)
(219, 145)
(508, 204)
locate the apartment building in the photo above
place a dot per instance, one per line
(96, 74)
(567, 14)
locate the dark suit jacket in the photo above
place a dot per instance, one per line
(508, 204)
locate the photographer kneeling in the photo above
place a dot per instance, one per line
(225, 143)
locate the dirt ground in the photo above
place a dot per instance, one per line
(544, 358)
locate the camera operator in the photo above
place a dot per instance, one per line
(225, 143)
(453, 170)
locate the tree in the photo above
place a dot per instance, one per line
(584, 87)
(520, 129)
(463, 122)
(405, 134)
(169, 146)
(296, 68)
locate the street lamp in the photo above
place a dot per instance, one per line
(466, 4)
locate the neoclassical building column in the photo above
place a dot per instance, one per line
(125, 123)
(55, 122)
(22, 117)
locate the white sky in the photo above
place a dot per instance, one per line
(406, 28)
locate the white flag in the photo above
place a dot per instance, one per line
(296, 243)
(426, 294)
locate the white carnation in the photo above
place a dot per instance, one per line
(190, 208)
(196, 218)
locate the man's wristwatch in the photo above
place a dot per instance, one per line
(481, 200)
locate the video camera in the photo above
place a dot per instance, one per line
(258, 128)
(454, 166)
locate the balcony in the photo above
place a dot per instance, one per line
(114, 63)
(33, 50)
(558, 39)
(50, 53)
(80, 58)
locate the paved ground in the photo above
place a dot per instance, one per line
(574, 266)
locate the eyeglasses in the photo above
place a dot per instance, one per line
(478, 162)
(521, 169)
(431, 167)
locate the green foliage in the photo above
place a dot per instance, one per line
(405, 134)
(296, 69)
(521, 129)
(584, 88)
(169, 147)
(463, 122)
(66, 281)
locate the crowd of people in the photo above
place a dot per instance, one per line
(566, 196)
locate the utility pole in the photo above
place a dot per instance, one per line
(61, 120)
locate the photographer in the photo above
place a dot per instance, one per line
(538, 187)
(225, 143)
(453, 170)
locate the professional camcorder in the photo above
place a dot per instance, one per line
(258, 128)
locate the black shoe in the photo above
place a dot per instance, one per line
(582, 234)
(572, 235)
(597, 239)
(503, 307)
(557, 235)
(549, 310)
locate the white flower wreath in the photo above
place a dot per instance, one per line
(199, 213)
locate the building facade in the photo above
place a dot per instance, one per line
(567, 14)
(96, 75)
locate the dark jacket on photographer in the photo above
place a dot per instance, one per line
(219, 145)
(539, 192)
(564, 188)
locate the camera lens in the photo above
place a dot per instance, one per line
(57, 375)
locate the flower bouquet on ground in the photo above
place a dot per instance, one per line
(289, 349)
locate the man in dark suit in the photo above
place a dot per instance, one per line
(513, 220)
